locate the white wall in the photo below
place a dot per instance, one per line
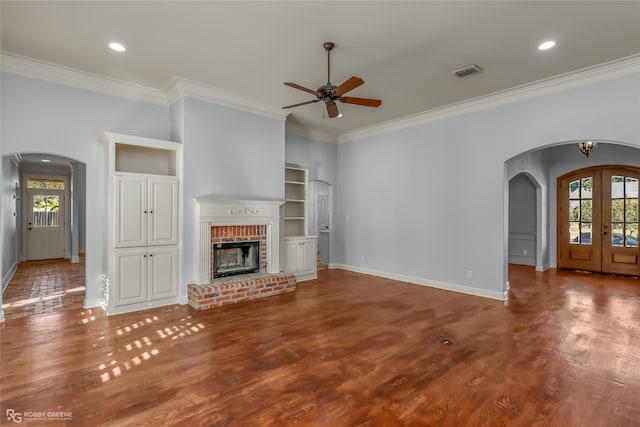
(428, 202)
(44, 117)
(8, 220)
(230, 154)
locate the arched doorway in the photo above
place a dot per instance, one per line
(44, 246)
(524, 192)
(597, 227)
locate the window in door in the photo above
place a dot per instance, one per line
(46, 210)
(581, 211)
(624, 211)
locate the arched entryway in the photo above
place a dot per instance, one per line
(44, 240)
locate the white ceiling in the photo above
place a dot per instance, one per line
(405, 51)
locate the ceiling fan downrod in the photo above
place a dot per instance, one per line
(328, 46)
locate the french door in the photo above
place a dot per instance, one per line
(598, 220)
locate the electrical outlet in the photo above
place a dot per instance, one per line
(469, 273)
(524, 251)
(362, 258)
(348, 217)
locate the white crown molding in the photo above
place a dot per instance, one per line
(179, 87)
(312, 134)
(609, 70)
(55, 73)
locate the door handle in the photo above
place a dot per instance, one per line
(29, 228)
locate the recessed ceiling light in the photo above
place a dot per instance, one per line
(547, 45)
(46, 160)
(339, 115)
(117, 47)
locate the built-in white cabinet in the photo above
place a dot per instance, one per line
(145, 275)
(301, 257)
(300, 249)
(142, 252)
(146, 210)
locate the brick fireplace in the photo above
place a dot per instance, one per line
(233, 235)
(234, 221)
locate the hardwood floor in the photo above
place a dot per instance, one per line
(345, 350)
(42, 287)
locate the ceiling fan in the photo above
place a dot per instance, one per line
(331, 93)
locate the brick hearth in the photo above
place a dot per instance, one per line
(235, 289)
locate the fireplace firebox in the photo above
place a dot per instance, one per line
(234, 258)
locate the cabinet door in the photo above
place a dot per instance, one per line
(292, 250)
(131, 276)
(163, 211)
(130, 211)
(163, 273)
(307, 257)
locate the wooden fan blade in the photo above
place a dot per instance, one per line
(301, 103)
(296, 86)
(350, 84)
(367, 102)
(332, 109)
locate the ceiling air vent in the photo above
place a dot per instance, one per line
(469, 69)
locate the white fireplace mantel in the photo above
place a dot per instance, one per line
(213, 212)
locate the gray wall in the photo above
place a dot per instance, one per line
(44, 117)
(229, 154)
(8, 220)
(319, 156)
(430, 202)
(522, 220)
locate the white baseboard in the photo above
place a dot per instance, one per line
(93, 302)
(522, 259)
(75, 259)
(500, 296)
(1, 316)
(8, 276)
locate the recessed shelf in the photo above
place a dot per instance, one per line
(295, 194)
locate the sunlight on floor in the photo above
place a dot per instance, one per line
(114, 368)
(56, 295)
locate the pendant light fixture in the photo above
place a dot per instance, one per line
(587, 147)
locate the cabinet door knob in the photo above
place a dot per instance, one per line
(150, 255)
(150, 212)
(145, 255)
(145, 211)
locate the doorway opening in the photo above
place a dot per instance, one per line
(320, 223)
(44, 270)
(523, 220)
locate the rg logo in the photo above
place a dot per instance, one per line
(14, 416)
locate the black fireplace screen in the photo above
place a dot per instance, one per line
(235, 258)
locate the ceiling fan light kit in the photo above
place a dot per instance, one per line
(330, 93)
